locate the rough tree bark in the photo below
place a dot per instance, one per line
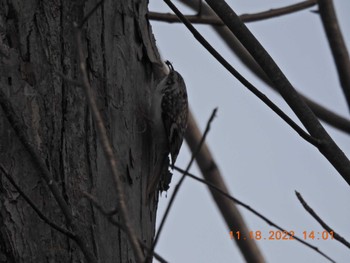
(38, 43)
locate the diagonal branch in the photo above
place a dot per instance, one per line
(327, 116)
(195, 151)
(110, 214)
(243, 80)
(91, 12)
(35, 208)
(216, 190)
(236, 47)
(39, 164)
(195, 19)
(337, 45)
(321, 222)
(212, 175)
(328, 147)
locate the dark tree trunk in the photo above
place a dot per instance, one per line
(37, 43)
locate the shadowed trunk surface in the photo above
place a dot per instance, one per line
(37, 41)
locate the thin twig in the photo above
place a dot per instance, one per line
(264, 218)
(99, 207)
(321, 222)
(337, 45)
(278, 11)
(20, 129)
(108, 150)
(177, 187)
(236, 47)
(109, 215)
(35, 208)
(195, 19)
(329, 149)
(243, 80)
(214, 20)
(92, 11)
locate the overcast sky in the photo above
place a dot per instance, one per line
(262, 160)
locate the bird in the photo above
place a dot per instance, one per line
(169, 113)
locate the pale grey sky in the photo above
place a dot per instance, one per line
(262, 159)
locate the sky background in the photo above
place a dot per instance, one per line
(262, 160)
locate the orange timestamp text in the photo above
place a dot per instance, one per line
(282, 235)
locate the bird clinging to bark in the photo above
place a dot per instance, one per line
(169, 110)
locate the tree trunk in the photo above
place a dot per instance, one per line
(37, 44)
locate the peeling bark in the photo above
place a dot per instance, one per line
(37, 41)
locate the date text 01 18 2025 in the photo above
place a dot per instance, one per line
(282, 235)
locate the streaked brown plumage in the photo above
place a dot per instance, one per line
(169, 111)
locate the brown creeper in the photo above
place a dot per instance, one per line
(169, 111)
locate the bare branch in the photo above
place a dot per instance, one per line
(214, 20)
(328, 147)
(108, 150)
(99, 207)
(177, 187)
(19, 129)
(337, 45)
(195, 19)
(243, 80)
(35, 208)
(232, 42)
(321, 222)
(278, 11)
(109, 215)
(92, 11)
(229, 211)
(327, 116)
(214, 188)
